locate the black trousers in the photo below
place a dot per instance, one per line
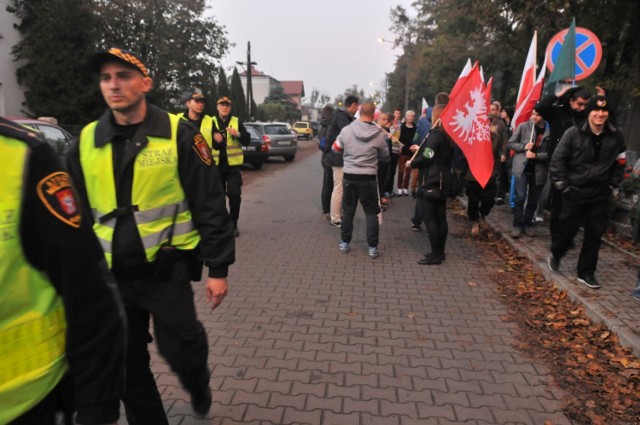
(327, 186)
(593, 215)
(480, 200)
(434, 213)
(365, 191)
(392, 166)
(231, 179)
(181, 340)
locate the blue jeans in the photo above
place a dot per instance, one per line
(526, 194)
(365, 191)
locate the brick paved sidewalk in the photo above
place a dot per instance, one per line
(310, 335)
(611, 305)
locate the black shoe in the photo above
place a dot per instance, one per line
(589, 279)
(415, 227)
(428, 260)
(236, 232)
(499, 201)
(201, 402)
(554, 263)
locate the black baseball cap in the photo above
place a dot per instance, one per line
(126, 57)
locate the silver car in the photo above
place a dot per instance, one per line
(281, 141)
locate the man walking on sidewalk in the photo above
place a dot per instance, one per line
(588, 162)
(363, 145)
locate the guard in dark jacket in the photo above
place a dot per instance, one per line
(587, 163)
(59, 304)
(158, 207)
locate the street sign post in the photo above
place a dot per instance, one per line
(588, 51)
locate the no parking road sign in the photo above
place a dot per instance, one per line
(588, 51)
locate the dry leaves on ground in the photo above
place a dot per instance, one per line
(601, 378)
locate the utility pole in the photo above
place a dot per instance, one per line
(249, 71)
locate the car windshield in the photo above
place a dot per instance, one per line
(276, 129)
(300, 125)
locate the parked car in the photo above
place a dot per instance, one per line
(281, 141)
(58, 138)
(257, 152)
(303, 129)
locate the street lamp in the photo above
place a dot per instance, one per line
(406, 85)
(248, 71)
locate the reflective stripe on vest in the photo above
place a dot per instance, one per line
(235, 155)
(32, 323)
(156, 194)
(206, 128)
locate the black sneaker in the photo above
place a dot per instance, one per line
(201, 402)
(554, 263)
(415, 227)
(589, 279)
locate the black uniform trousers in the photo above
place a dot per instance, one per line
(481, 200)
(181, 340)
(364, 190)
(593, 215)
(231, 178)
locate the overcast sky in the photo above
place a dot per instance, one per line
(328, 44)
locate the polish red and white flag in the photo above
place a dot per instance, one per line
(465, 120)
(530, 87)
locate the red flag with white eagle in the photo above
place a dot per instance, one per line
(465, 120)
(465, 72)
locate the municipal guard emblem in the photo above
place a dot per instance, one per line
(601, 103)
(58, 197)
(202, 149)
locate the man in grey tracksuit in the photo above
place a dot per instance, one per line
(363, 145)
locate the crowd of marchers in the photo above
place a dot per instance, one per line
(560, 167)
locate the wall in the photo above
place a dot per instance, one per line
(11, 93)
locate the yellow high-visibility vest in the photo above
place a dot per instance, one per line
(235, 155)
(156, 195)
(206, 128)
(32, 323)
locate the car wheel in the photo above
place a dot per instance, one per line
(289, 158)
(256, 165)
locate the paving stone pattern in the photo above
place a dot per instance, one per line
(310, 335)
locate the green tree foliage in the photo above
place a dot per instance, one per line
(223, 83)
(237, 96)
(436, 43)
(279, 97)
(53, 52)
(60, 36)
(272, 112)
(171, 37)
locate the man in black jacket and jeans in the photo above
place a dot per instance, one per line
(587, 163)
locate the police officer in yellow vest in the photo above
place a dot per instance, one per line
(157, 205)
(62, 326)
(194, 114)
(229, 136)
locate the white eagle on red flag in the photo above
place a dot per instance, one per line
(465, 120)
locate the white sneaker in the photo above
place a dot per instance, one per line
(399, 192)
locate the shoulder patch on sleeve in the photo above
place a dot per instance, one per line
(56, 193)
(202, 148)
